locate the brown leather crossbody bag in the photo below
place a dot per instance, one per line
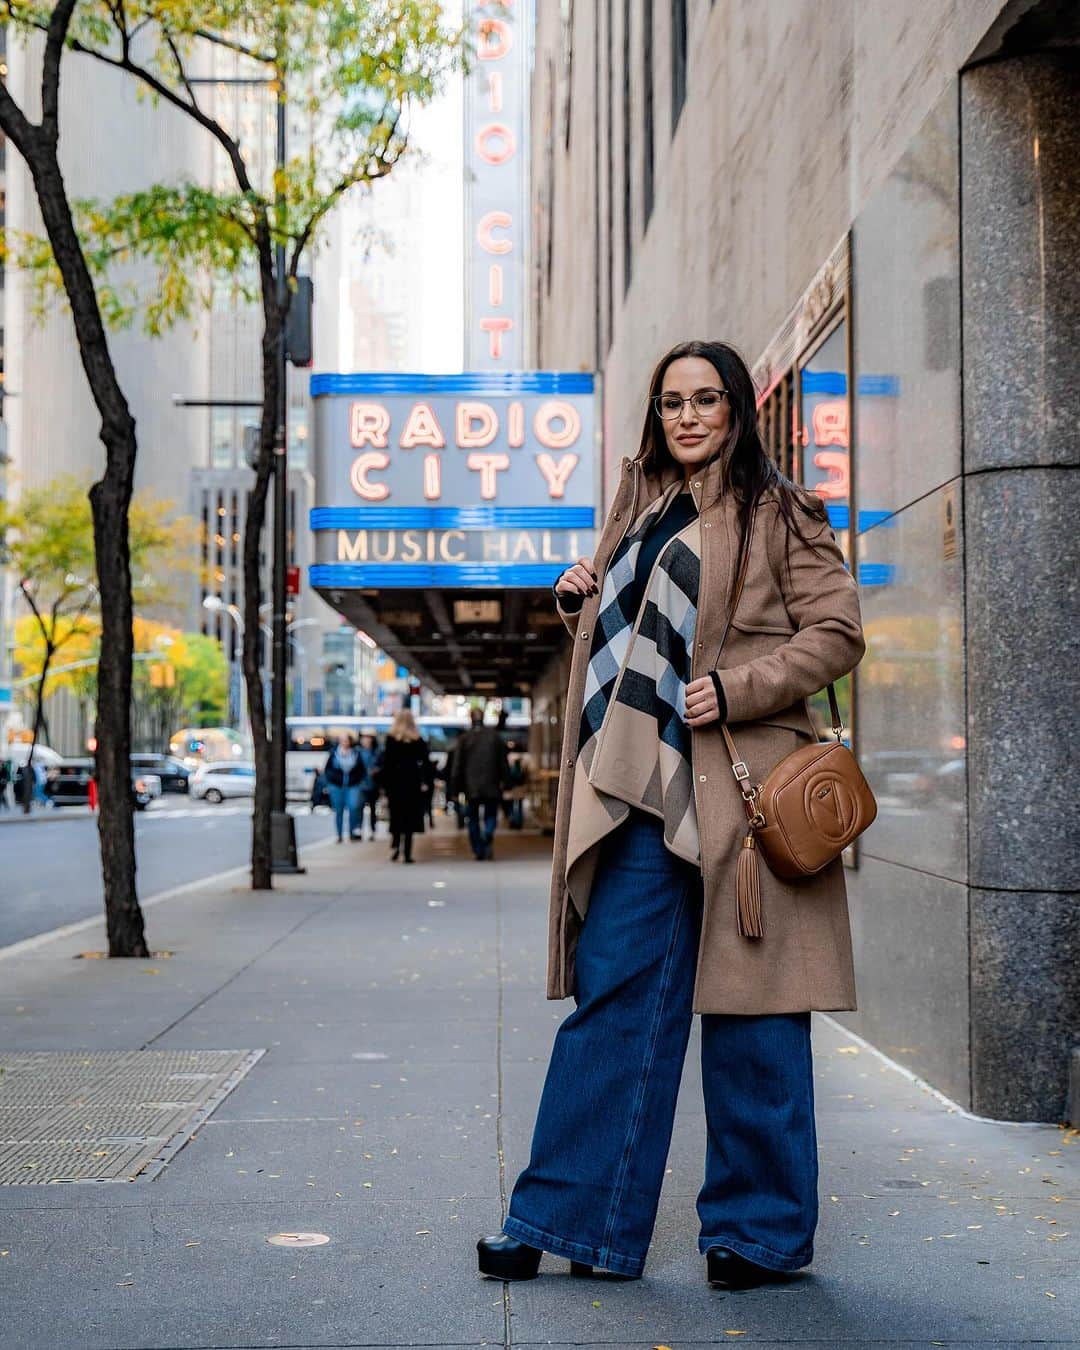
(806, 810)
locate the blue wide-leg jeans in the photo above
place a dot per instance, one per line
(600, 1145)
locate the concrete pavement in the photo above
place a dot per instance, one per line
(406, 1031)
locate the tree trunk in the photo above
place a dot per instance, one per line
(254, 526)
(110, 499)
(39, 717)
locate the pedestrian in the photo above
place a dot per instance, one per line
(369, 786)
(406, 773)
(343, 773)
(517, 785)
(648, 923)
(5, 781)
(480, 771)
(453, 798)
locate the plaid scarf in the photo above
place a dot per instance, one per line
(634, 747)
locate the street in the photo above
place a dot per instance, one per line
(50, 869)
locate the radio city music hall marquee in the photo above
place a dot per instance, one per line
(487, 479)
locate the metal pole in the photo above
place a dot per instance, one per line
(279, 653)
(283, 830)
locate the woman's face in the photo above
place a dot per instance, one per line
(695, 435)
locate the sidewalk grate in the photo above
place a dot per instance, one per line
(113, 1115)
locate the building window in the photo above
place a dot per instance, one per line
(776, 421)
(678, 60)
(648, 138)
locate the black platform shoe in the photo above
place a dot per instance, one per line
(733, 1271)
(505, 1258)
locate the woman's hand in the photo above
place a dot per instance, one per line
(580, 579)
(702, 706)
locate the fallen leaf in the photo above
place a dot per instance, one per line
(1049, 1294)
(596, 1303)
(151, 970)
(842, 1050)
(192, 1244)
(419, 1231)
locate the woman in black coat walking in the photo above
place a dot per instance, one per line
(405, 778)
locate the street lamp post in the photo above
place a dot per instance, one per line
(282, 826)
(216, 605)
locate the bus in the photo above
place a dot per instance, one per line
(312, 738)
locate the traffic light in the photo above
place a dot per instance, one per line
(298, 347)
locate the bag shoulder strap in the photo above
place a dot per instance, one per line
(738, 765)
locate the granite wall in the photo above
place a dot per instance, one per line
(1020, 187)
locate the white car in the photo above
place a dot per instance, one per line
(215, 782)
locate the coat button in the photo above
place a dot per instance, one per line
(708, 524)
(701, 778)
(618, 515)
(569, 762)
(584, 635)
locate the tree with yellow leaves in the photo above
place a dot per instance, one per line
(48, 539)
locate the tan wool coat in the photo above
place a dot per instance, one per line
(798, 626)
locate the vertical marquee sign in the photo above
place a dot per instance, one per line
(485, 479)
(496, 156)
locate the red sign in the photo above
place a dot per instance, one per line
(292, 581)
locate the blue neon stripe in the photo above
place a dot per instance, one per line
(876, 574)
(452, 517)
(839, 516)
(835, 382)
(347, 576)
(491, 382)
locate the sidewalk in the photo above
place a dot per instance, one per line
(406, 1032)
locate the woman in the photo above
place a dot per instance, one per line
(645, 929)
(369, 786)
(405, 776)
(343, 774)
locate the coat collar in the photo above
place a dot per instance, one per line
(706, 484)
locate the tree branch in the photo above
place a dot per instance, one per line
(56, 35)
(264, 58)
(208, 123)
(16, 125)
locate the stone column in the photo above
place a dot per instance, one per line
(1020, 248)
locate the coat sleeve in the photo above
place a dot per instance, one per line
(822, 598)
(569, 615)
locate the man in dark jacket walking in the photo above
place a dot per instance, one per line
(480, 771)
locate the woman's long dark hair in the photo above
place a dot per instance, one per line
(747, 471)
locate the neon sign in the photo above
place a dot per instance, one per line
(495, 129)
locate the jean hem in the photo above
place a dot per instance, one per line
(603, 1257)
(761, 1256)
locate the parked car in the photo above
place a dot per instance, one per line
(173, 774)
(215, 782)
(68, 784)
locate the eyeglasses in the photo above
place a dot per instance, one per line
(703, 402)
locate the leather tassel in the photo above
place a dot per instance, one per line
(748, 889)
